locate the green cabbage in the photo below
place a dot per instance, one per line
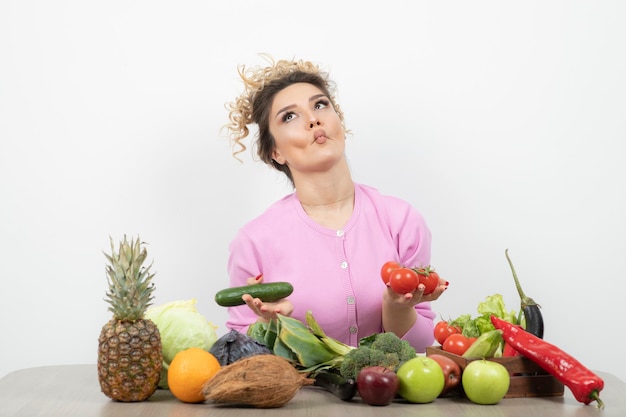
(181, 327)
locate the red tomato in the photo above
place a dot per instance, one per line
(457, 344)
(387, 269)
(403, 280)
(430, 279)
(443, 330)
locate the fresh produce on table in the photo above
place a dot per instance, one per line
(421, 380)
(485, 346)
(451, 373)
(181, 327)
(189, 371)
(380, 349)
(485, 382)
(457, 343)
(457, 335)
(336, 364)
(403, 279)
(491, 305)
(528, 317)
(235, 345)
(377, 385)
(305, 345)
(443, 329)
(267, 292)
(584, 384)
(262, 381)
(129, 344)
(530, 310)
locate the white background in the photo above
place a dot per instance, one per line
(503, 122)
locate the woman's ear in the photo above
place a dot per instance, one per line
(277, 157)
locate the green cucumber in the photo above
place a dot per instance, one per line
(266, 292)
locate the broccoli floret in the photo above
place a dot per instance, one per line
(387, 342)
(359, 358)
(381, 349)
(407, 352)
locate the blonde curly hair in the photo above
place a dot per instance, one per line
(261, 84)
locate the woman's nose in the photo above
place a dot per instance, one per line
(314, 123)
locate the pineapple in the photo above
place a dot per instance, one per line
(129, 348)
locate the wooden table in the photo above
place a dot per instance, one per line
(73, 390)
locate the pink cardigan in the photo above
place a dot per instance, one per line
(335, 273)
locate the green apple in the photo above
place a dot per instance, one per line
(421, 380)
(485, 382)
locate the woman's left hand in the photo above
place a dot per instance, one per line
(417, 296)
(266, 311)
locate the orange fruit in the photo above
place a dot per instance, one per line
(189, 370)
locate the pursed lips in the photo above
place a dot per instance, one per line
(319, 133)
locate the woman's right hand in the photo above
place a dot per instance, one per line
(266, 311)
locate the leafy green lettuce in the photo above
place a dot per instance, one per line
(492, 305)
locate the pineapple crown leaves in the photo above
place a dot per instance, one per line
(130, 283)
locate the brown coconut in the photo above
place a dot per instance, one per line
(262, 381)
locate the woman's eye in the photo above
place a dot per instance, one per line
(321, 104)
(287, 117)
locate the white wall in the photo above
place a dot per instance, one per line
(503, 122)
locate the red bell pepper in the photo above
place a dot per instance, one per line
(584, 384)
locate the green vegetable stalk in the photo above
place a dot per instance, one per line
(305, 345)
(311, 350)
(486, 345)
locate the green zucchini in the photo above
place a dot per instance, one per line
(266, 292)
(343, 388)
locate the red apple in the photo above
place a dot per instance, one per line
(451, 372)
(377, 385)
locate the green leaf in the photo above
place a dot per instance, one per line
(334, 345)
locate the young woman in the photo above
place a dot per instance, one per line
(331, 236)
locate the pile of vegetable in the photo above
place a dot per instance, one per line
(497, 332)
(477, 333)
(333, 365)
(477, 336)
